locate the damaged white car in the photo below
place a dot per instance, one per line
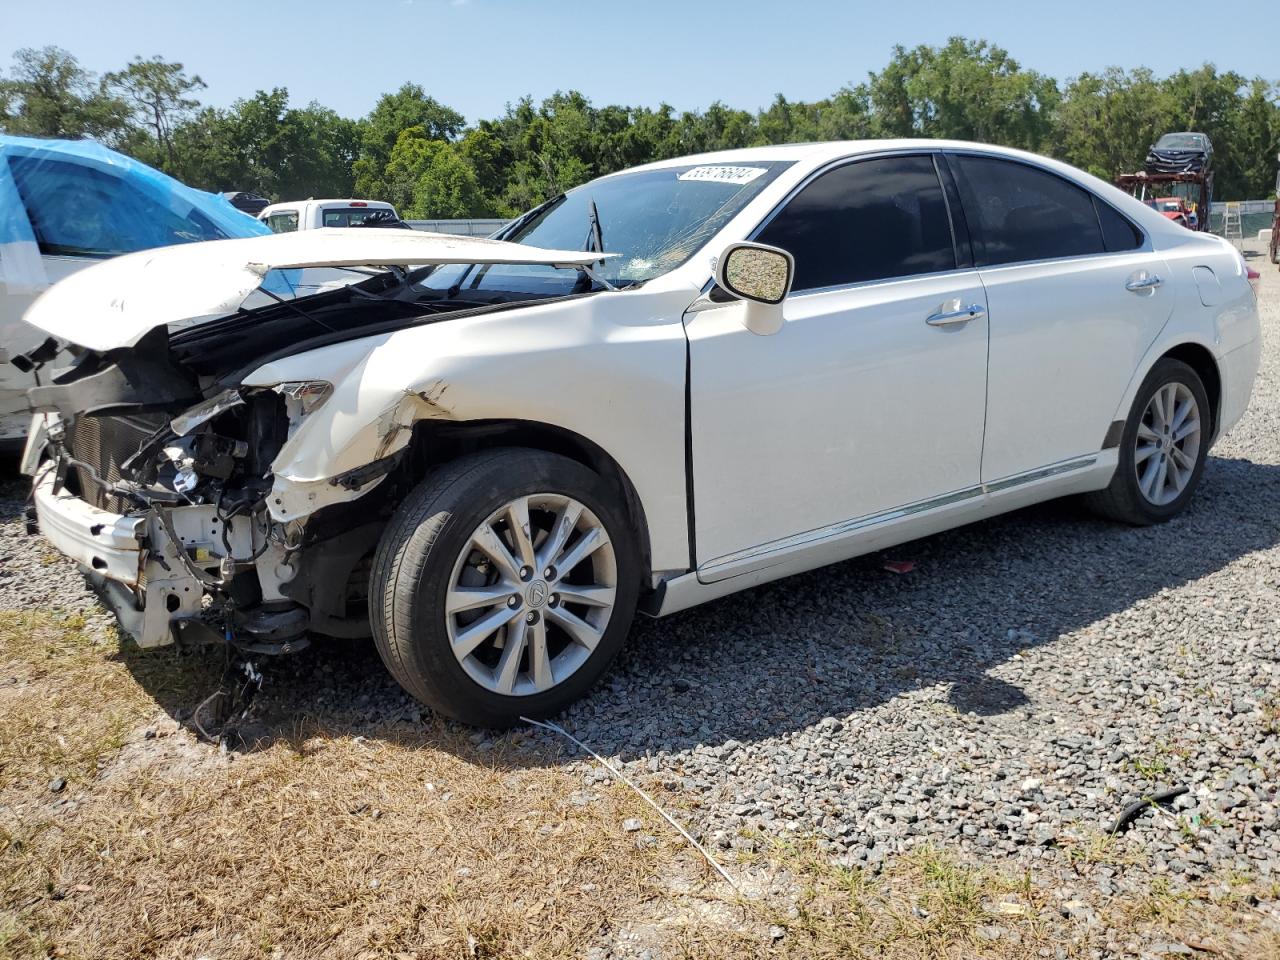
(668, 385)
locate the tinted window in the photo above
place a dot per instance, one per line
(1117, 232)
(78, 211)
(1017, 212)
(869, 220)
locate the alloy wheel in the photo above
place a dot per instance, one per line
(531, 594)
(1167, 446)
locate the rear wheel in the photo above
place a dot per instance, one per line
(1162, 449)
(504, 586)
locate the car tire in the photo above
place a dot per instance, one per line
(1134, 496)
(432, 561)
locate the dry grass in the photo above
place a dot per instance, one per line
(412, 842)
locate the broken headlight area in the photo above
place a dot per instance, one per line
(167, 511)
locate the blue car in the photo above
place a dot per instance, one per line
(65, 204)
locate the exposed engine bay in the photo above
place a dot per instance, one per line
(154, 469)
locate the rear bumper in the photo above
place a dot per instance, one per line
(1239, 370)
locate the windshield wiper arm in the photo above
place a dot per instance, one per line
(595, 234)
(594, 242)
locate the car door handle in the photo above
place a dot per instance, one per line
(1143, 282)
(954, 312)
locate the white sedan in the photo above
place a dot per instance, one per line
(670, 384)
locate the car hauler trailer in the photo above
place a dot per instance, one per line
(1196, 188)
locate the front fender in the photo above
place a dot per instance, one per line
(609, 368)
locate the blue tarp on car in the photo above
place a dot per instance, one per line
(78, 198)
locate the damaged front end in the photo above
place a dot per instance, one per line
(162, 425)
(162, 495)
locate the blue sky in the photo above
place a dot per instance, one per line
(477, 55)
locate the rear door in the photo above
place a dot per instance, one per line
(1075, 296)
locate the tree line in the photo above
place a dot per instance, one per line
(425, 158)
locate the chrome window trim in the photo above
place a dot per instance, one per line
(844, 528)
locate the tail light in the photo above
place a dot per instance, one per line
(1252, 275)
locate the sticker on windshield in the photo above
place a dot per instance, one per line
(723, 174)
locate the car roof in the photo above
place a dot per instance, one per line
(835, 149)
(285, 205)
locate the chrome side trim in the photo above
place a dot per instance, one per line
(844, 528)
(1052, 470)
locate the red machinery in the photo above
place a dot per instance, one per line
(1195, 189)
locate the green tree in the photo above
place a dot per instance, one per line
(49, 94)
(1256, 140)
(395, 112)
(965, 90)
(159, 97)
(1106, 121)
(264, 146)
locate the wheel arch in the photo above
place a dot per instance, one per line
(436, 442)
(1195, 353)
(1200, 359)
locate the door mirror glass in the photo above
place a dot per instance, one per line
(755, 272)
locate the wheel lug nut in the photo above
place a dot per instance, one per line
(549, 573)
(553, 600)
(531, 617)
(513, 600)
(525, 573)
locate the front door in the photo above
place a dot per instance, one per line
(871, 397)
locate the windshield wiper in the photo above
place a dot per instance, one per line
(595, 234)
(594, 243)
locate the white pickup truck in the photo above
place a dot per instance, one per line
(312, 214)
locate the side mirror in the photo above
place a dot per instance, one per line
(760, 276)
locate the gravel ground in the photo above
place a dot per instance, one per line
(1005, 700)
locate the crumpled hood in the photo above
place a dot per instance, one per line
(115, 303)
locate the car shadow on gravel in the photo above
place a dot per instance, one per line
(784, 656)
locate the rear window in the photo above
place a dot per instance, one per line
(284, 222)
(1117, 232)
(1018, 212)
(348, 216)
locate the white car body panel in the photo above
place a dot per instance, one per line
(1065, 338)
(807, 425)
(311, 212)
(525, 364)
(180, 285)
(818, 548)
(855, 427)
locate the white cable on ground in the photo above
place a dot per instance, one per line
(556, 728)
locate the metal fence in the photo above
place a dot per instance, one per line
(460, 228)
(1255, 215)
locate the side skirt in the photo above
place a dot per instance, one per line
(852, 538)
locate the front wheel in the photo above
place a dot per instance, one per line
(1162, 450)
(504, 586)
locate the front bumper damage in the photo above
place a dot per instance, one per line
(163, 572)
